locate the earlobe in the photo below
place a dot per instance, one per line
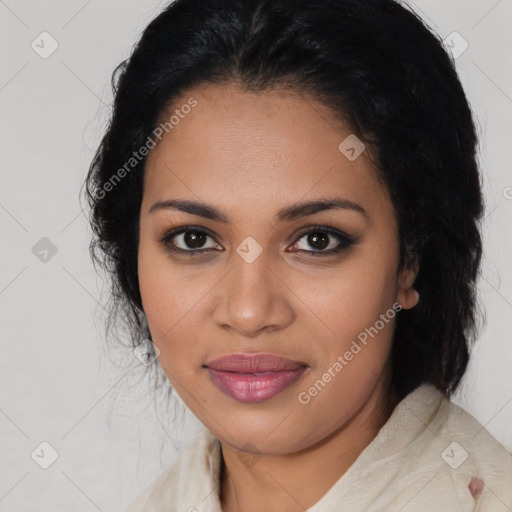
(408, 298)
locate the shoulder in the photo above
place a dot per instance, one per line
(431, 455)
(472, 451)
(457, 452)
(186, 482)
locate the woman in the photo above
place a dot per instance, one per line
(288, 201)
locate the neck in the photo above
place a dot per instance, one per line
(276, 482)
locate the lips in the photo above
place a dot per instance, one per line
(254, 363)
(254, 377)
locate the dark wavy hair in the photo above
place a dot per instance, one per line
(379, 69)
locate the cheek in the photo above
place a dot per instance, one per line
(169, 300)
(352, 296)
(355, 306)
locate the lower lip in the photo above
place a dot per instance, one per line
(250, 387)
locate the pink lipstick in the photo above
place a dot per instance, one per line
(254, 377)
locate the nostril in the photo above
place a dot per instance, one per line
(476, 486)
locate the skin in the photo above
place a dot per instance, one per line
(250, 155)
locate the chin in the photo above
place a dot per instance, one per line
(268, 440)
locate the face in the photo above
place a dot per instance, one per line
(251, 270)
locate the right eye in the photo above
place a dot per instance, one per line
(190, 238)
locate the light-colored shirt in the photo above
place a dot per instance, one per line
(430, 456)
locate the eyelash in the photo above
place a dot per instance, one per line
(345, 240)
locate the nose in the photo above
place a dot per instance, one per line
(253, 299)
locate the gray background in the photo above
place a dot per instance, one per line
(58, 383)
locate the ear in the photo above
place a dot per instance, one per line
(407, 296)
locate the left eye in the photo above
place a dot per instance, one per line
(321, 239)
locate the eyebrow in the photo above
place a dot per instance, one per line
(288, 213)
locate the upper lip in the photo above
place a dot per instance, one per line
(254, 363)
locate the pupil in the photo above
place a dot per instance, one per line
(318, 239)
(195, 239)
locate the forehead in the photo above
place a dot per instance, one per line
(258, 149)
